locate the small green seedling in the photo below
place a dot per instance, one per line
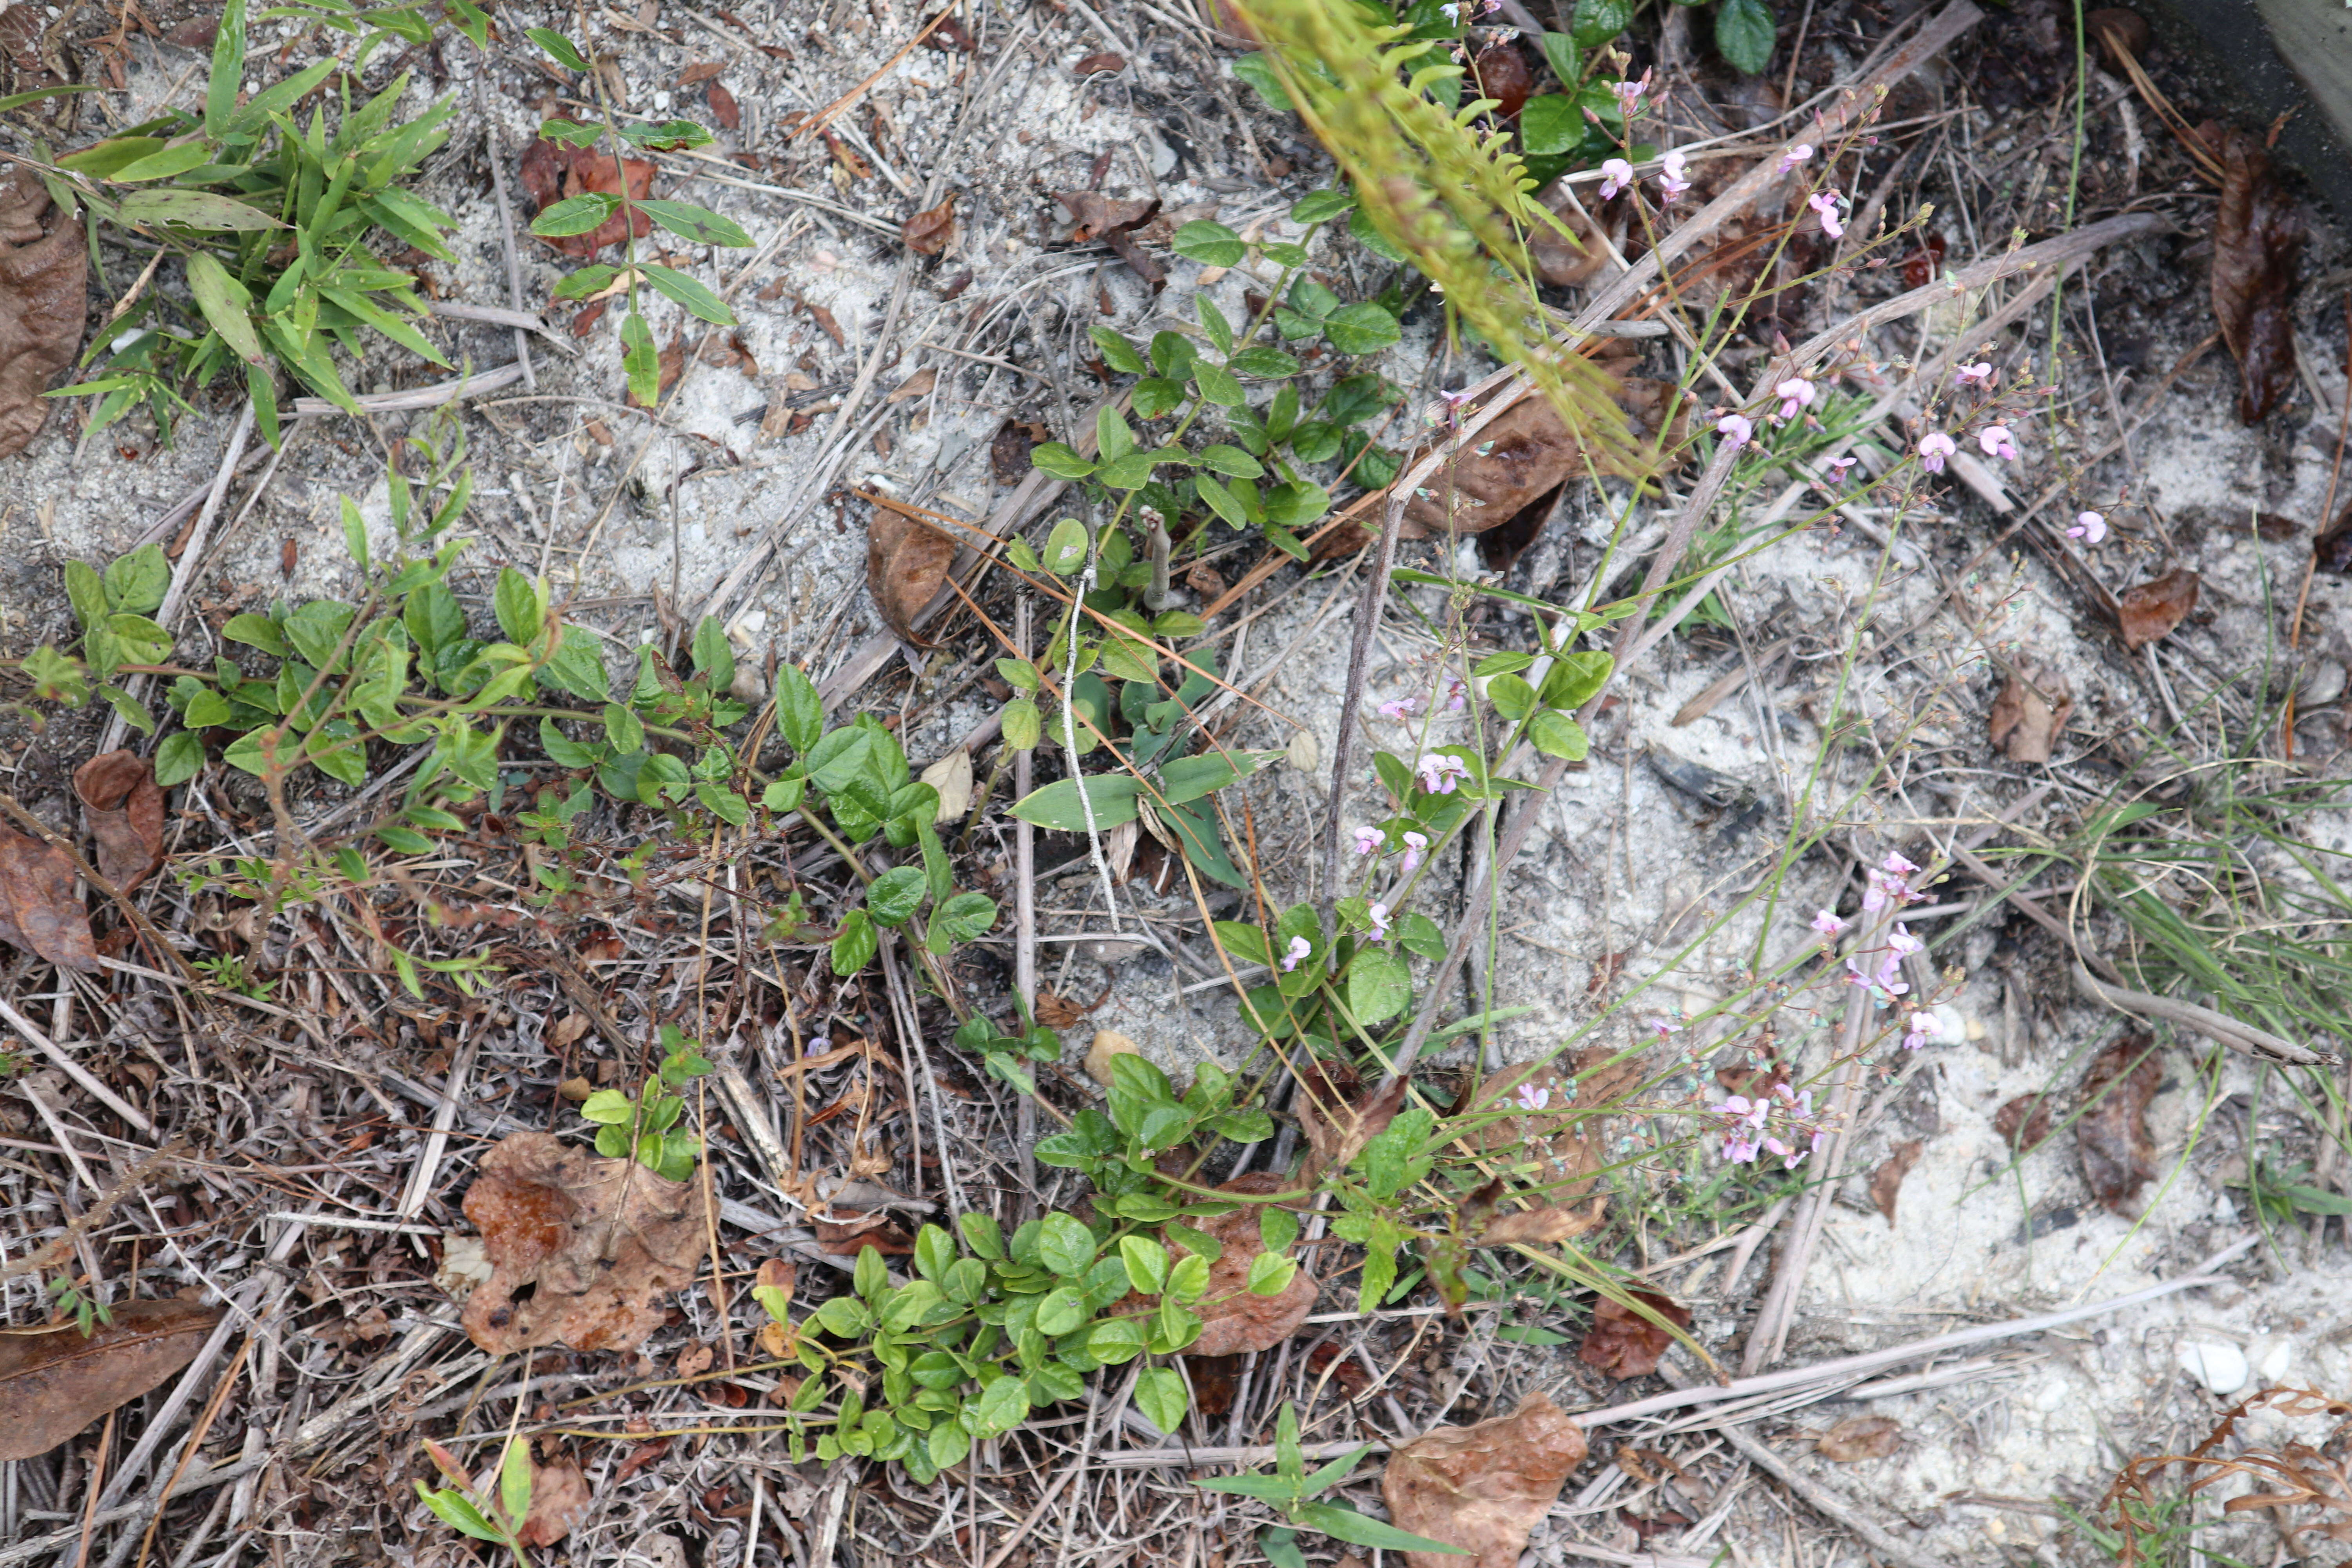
(652, 1126)
(1293, 1490)
(496, 1518)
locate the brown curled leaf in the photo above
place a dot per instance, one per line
(2257, 240)
(39, 910)
(1483, 1487)
(1625, 1343)
(1235, 1319)
(581, 1248)
(723, 107)
(559, 1501)
(1543, 1226)
(928, 233)
(907, 560)
(2152, 609)
(2118, 1157)
(1859, 1437)
(1103, 62)
(44, 273)
(1336, 1119)
(2030, 713)
(1888, 1180)
(125, 811)
(54, 1381)
(2025, 1122)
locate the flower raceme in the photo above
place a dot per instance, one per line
(1440, 771)
(1781, 1122)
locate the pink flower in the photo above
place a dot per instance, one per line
(1532, 1097)
(1794, 394)
(1920, 1027)
(1369, 839)
(1629, 94)
(1901, 942)
(1838, 465)
(1826, 204)
(1795, 155)
(1671, 184)
(1299, 948)
(1399, 707)
(1827, 922)
(1969, 374)
(1660, 1028)
(1379, 913)
(1415, 845)
(1456, 695)
(1933, 447)
(1439, 771)
(1995, 440)
(1615, 175)
(1735, 429)
(2089, 527)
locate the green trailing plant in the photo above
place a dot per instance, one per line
(70, 1300)
(591, 210)
(1296, 1492)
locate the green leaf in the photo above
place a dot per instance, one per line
(1059, 460)
(1366, 233)
(225, 303)
(699, 225)
(194, 209)
(1513, 698)
(1160, 1395)
(1220, 385)
(178, 760)
(1362, 1530)
(1281, 1547)
(559, 47)
(982, 1234)
(608, 1108)
(133, 711)
(228, 70)
(1598, 21)
(694, 295)
(1210, 244)
(896, 895)
(1000, 1407)
(142, 641)
(577, 665)
(1113, 439)
(575, 215)
(1023, 726)
(1266, 363)
(1555, 734)
(1147, 1263)
(1189, 778)
(1064, 1245)
(800, 713)
(254, 631)
(1322, 206)
(640, 359)
(1155, 395)
(1745, 34)
(514, 1481)
(855, 947)
(1379, 986)
(714, 656)
(1270, 1275)
(1066, 548)
(138, 581)
(1259, 72)
(966, 917)
(1561, 53)
(1062, 1310)
(1213, 322)
(1117, 352)
(1361, 329)
(519, 607)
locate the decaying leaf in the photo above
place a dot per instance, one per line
(1502, 74)
(1888, 1180)
(38, 910)
(1008, 454)
(581, 1248)
(916, 385)
(2029, 712)
(1623, 1343)
(928, 233)
(54, 1381)
(2257, 240)
(559, 1501)
(2153, 608)
(1483, 1487)
(907, 560)
(723, 107)
(2118, 1158)
(1543, 1225)
(43, 276)
(1336, 1118)
(1104, 61)
(125, 811)
(1859, 1437)
(2023, 1123)
(1113, 223)
(1235, 1319)
(554, 171)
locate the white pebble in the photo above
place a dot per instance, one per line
(2221, 1368)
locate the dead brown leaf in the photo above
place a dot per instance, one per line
(916, 385)
(2029, 712)
(1888, 1180)
(1102, 61)
(1483, 1487)
(1337, 1122)
(1542, 1226)
(824, 321)
(559, 1501)
(2111, 1134)
(38, 910)
(125, 811)
(928, 233)
(1008, 454)
(700, 71)
(55, 1381)
(1502, 74)
(2023, 1123)
(1859, 1437)
(554, 171)
(1235, 1320)
(2257, 240)
(1115, 222)
(581, 1247)
(1623, 1343)
(2153, 608)
(950, 34)
(723, 107)
(43, 276)
(905, 561)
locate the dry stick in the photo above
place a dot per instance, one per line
(2220, 1028)
(1025, 914)
(73, 1069)
(1822, 1499)
(1360, 653)
(1821, 1373)
(514, 261)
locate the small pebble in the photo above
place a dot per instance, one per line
(1108, 1043)
(2221, 1368)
